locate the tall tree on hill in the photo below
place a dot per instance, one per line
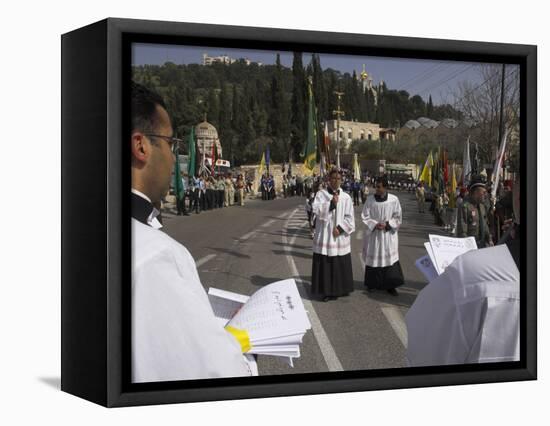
(430, 107)
(224, 130)
(319, 88)
(298, 120)
(213, 107)
(280, 114)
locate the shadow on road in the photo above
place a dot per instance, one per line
(230, 252)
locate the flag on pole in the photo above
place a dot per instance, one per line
(323, 165)
(178, 184)
(498, 164)
(192, 162)
(466, 164)
(356, 169)
(426, 175)
(310, 151)
(452, 198)
(213, 157)
(326, 144)
(262, 165)
(267, 157)
(445, 168)
(436, 173)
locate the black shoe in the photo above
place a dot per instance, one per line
(370, 290)
(186, 214)
(327, 298)
(393, 292)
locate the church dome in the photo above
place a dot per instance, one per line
(205, 130)
(412, 124)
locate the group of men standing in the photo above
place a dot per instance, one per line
(332, 274)
(209, 192)
(470, 217)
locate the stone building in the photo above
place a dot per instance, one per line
(352, 130)
(207, 136)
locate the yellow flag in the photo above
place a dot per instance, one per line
(262, 165)
(426, 175)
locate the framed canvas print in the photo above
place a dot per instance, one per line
(254, 212)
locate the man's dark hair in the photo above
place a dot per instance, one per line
(334, 171)
(383, 180)
(144, 108)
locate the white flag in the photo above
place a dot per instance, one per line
(466, 165)
(498, 164)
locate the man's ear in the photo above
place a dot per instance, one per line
(141, 148)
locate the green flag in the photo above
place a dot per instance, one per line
(192, 160)
(310, 151)
(178, 184)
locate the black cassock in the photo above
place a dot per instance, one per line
(332, 276)
(384, 277)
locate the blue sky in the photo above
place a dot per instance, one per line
(422, 77)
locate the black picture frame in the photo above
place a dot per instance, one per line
(96, 226)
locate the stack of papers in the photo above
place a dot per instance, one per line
(442, 251)
(274, 317)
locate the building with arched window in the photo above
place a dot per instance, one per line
(353, 130)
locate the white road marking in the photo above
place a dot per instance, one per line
(247, 236)
(268, 223)
(205, 259)
(396, 320)
(327, 350)
(393, 315)
(359, 235)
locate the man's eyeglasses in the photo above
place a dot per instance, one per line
(173, 142)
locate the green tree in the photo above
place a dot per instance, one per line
(298, 108)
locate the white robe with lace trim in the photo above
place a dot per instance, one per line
(323, 241)
(381, 248)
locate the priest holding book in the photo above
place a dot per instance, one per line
(382, 216)
(174, 333)
(332, 274)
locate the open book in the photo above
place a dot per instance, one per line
(272, 321)
(442, 251)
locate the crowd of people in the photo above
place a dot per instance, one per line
(208, 192)
(175, 335)
(471, 211)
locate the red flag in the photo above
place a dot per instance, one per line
(213, 156)
(445, 168)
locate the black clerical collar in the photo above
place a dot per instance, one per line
(144, 211)
(380, 198)
(332, 191)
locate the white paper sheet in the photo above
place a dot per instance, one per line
(446, 249)
(275, 310)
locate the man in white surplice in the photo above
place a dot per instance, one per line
(468, 314)
(382, 217)
(175, 335)
(332, 274)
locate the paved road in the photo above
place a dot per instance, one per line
(241, 249)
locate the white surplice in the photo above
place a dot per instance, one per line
(380, 247)
(469, 314)
(175, 335)
(326, 220)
